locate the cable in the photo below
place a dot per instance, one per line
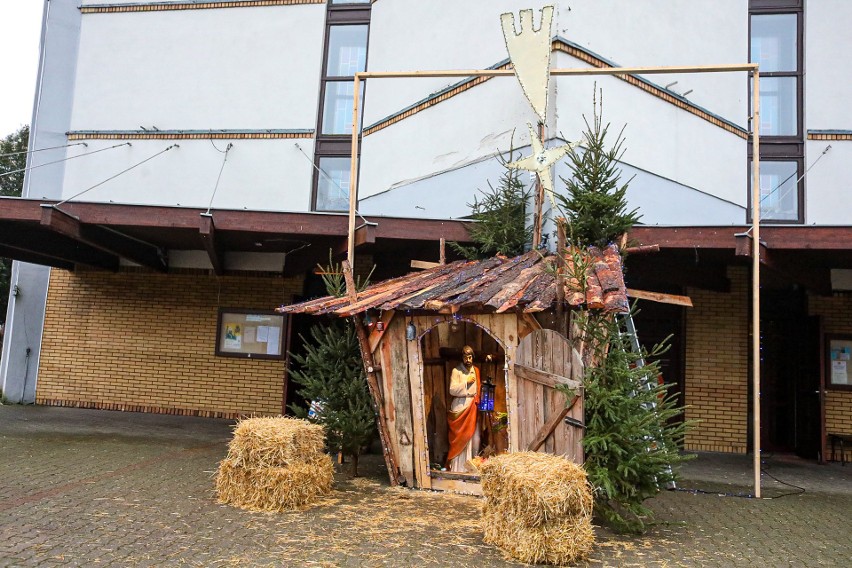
(116, 175)
(43, 149)
(221, 169)
(343, 192)
(800, 178)
(62, 160)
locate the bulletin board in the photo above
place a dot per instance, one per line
(839, 360)
(252, 334)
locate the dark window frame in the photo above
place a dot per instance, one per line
(335, 145)
(781, 148)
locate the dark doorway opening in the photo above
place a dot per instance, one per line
(789, 377)
(656, 323)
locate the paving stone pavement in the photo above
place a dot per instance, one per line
(97, 488)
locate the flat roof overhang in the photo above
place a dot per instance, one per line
(100, 235)
(699, 256)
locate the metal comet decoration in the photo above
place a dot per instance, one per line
(541, 160)
(529, 49)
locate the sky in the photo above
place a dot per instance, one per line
(20, 31)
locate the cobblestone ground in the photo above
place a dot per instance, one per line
(89, 488)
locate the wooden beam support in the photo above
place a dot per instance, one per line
(544, 378)
(24, 255)
(105, 240)
(207, 231)
(34, 240)
(423, 264)
(391, 461)
(549, 426)
(660, 297)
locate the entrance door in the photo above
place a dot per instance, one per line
(807, 408)
(544, 360)
(790, 370)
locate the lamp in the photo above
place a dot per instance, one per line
(410, 331)
(486, 397)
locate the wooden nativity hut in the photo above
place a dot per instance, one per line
(414, 330)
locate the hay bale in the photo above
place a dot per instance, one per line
(560, 542)
(274, 489)
(538, 507)
(274, 464)
(275, 442)
(533, 487)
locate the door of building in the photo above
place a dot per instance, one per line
(789, 382)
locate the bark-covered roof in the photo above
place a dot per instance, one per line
(526, 283)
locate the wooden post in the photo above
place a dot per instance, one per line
(538, 212)
(372, 381)
(755, 279)
(560, 276)
(353, 173)
(442, 259)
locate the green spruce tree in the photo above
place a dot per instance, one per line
(331, 375)
(631, 443)
(500, 217)
(596, 202)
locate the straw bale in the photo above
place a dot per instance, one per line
(562, 541)
(274, 489)
(532, 488)
(276, 441)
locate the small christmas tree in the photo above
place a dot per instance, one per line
(500, 216)
(596, 204)
(630, 442)
(331, 375)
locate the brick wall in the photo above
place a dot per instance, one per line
(716, 386)
(137, 340)
(836, 314)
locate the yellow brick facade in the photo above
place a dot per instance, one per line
(716, 383)
(836, 315)
(136, 340)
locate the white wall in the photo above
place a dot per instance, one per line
(458, 131)
(827, 65)
(669, 32)
(659, 137)
(235, 68)
(259, 174)
(828, 184)
(446, 34)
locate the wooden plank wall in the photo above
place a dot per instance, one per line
(549, 351)
(414, 382)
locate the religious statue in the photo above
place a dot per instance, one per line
(463, 415)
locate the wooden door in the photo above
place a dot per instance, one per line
(544, 360)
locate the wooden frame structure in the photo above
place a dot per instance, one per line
(753, 68)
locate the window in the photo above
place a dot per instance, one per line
(779, 194)
(333, 184)
(347, 33)
(776, 44)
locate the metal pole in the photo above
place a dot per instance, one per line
(755, 279)
(353, 173)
